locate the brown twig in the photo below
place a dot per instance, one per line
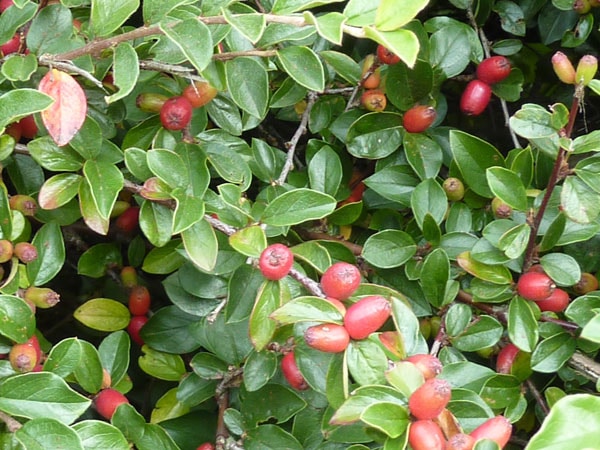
(316, 236)
(12, 424)
(538, 397)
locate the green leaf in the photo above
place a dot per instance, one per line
(507, 185)
(406, 321)
(168, 166)
(64, 357)
(429, 198)
(366, 361)
(125, 71)
(103, 314)
(389, 248)
(48, 433)
(329, 25)
(563, 269)
(18, 103)
(403, 43)
(105, 181)
(271, 296)
(572, 423)
(164, 260)
(19, 67)
(51, 254)
(486, 272)
(591, 330)
(186, 35)
(512, 18)
(273, 402)
(38, 395)
(473, 157)
(389, 17)
(200, 243)
(250, 25)
(248, 85)
(313, 253)
(482, 333)
(291, 6)
(114, 354)
(271, 437)
(307, 309)
(522, 325)
(304, 66)
(18, 324)
(297, 206)
(58, 190)
(450, 49)
(52, 157)
(361, 398)
(552, 353)
(375, 135)
(98, 435)
(344, 66)
(514, 242)
(578, 201)
(249, 241)
(389, 418)
(325, 171)
(424, 155)
(156, 222)
(88, 372)
(108, 15)
(500, 391)
(435, 275)
(161, 365)
(97, 259)
(171, 330)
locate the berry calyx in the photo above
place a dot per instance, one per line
(327, 337)
(366, 316)
(493, 70)
(426, 435)
(460, 441)
(276, 261)
(292, 374)
(107, 401)
(135, 326)
(386, 56)
(430, 399)
(500, 209)
(199, 93)
(535, 286)
(475, 98)
(557, 301)
(176, 113)
(373, 100)
(139, 301)
(419, 118)
(26, 252)
(498, 429)
(429, 365)
(454, 188)
(340, 280)
(25, 204)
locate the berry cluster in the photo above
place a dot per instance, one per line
(478, 92)
(176, 112)
(373, 98)
(139, 303)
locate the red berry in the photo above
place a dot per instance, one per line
(494, 69)
(429, 365)
(327, 337)
(139, 301)
(373, 100)
(340, 280)
(498, 429)
(386, 56)
(535, 286)
(135, 325)
(556, 302)
(199, 93)
(460, 441)
(35, 343)
(206, 446)
(5, 4)
(275, 261)
(426, 435)
(536, 268)
(28, 127)
(291, 372)
(11, 46)
(475, 98)
(176, 113)
(129, 220)
(14, 129)
(107, 401)
(339, 305)
(366, 316)
(418, 118)
(506, 358)
(23, 357)
(430, 399)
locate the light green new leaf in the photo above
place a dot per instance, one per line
(251, 26)
(161, 365)
(103, 314)
(249, 241)
(304, 66)
(403, 43)
(108, 15)
(391, 16)
(18, 103)
(125, 71)
(105, 182)
(330, 25)
(46, 433)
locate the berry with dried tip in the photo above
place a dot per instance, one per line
(500, 209)
(426, 435)
(429, 365)
(430, 399)
(24, 204)
(556, 302)
(292, 374)
(454, 188)
(135, 326)
(200, 93)
(139, 301)
(107, 401)
(176, 113)
(366, 316)
(460, 441)
(587, 283)
(23, 357)
(535, 286)
(340, 280)
(493, 70)
(373, 100)
(386, 56)
(586, 69)
(129, 220)
(6, 250)
(129, 277)
(41, 297)
(327, 337)
(419, 118)
(475, 98)
(26, 252)
(276, 261)
(498, 429)
(150, 102)
(563, 68)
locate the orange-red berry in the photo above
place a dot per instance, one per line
(107, 401)
(340, 280)
(327, 337)
(276, 261)
(366, 316)
(429, 399)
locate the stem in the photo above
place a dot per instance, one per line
(12, 424)
(554, 178)
(538, 397)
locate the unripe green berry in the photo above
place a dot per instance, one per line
(454, 188)
(150, 102)
(563, 68)
(41, 297)
(586, 69)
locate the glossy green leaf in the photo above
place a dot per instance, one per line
(200, 243)
(429, 198)
(423, 154)
(408, 325)
(48, 433)
(389, 248)
(103, 314)
(389, 418)
(51, 254)
(435, 276)
(105, 182)
(271, 437)
(514, 242)
(512, 18)
(325, 171)
(578, 202)
(164, 260)
(500, 391)
(52, 157)
(375, 135)
(563, 269)
(18, 324)
(161, 365)
(389, 17)
(304, 66)
(262, 328)
(18, 103)
(125, 71)
(96, 434)
(99, 258)
(303, 309)
(168, 166)
(450, 50)
(361, 398)
(344, 66)
(314, 254)
(250, 241)
(156, 222)
(522, 325)
(64, 357)
(329, 26)
(248, 85)
(487, 272)
(19, 67)
(552, 353)
(107, 16)
(458, 318)
(291, 6)
(260, 405)
(58, 190)
(250, 25)
(297, 206)
(6, 224)
(88, 372)
(591, 330)
(366, 361)
(186, 35)
(114, 354)
(482, 333)
(507, 185)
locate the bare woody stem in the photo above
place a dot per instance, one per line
(554, 179)
(11, 424)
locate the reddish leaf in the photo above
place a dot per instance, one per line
(66, 115)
